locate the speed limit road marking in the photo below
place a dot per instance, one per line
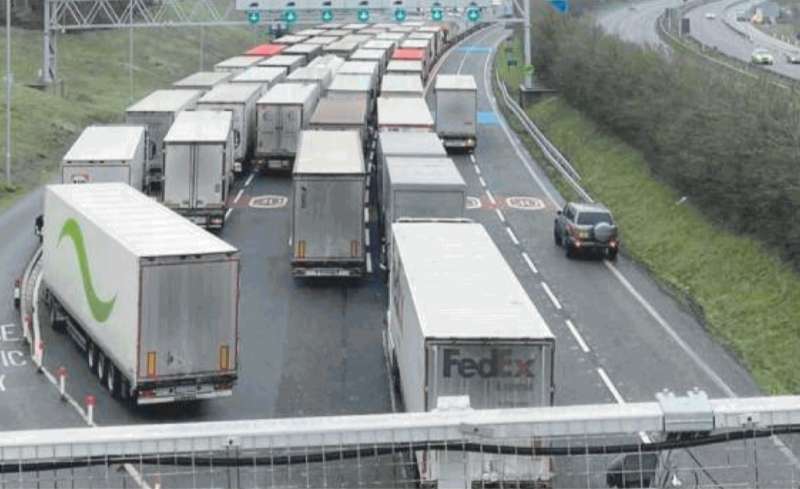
(525, 203)
(269, 202)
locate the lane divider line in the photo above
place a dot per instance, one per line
(228, 213)
(529, 262)
(500, 215)
(249, 180)
(483, 182)
(512, 236)
(238, 196)
(491, 197)
(551, 296)
(477, 169)
(369, 263)
(577, 336)
(366, 238)
(618, 397)
(366, 215)
(472, 158)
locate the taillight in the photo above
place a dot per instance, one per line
(301, 249)
(354, 248)
(224, 357)
(613, 243)
(151, 364)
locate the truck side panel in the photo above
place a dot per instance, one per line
(189, 314)
(158, 124)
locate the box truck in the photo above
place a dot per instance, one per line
(319, 76)
(290, 39)
(322, 40)
(402, 86)
(328, 187)
(421, 187)
(265, 50)
(460, 324)
(348, 86)
(198, 166)
(404, 114)
(282, 113)
(406, 67)
(337, 114)
(203, 80)
(367, 68)
(240, 99)
(342, 48)
(410, 50)
(382, 45)
(431, 37)
(308, 51)
(150, 298)
(156, 112)
(265, 77)
(237, 64)
(106, 154)
(290, 62)
(456, 111)
(371, 56)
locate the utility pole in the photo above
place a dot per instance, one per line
(528, 80)
(9, 81)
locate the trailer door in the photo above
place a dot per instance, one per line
(209, 174)
(178, 175)
(291, 125)
(269, 129)
(98, 173)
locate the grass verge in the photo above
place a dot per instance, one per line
(748, 298)
(96, 87)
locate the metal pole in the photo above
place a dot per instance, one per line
(130, 48)
(9, 81)
(528, 81)
(202, 48)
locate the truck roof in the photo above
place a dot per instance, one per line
(392, 36)
(421, 171)
(351, 83)
(288, 93)
(166, 101)
(461, 285)
(403, 111)
(106, 143)
(210, 126)
(145, 227)
(359, 38)
(322, 40)
(402, 83)
(302, 48)
(410, 144)
(455, 82)
(329, 153)
(379, 44)
(238, 62)
(230, 93)
(260, 74)
(359, 67)
(362, 54)
(290, 39)
(404, 65)
(283, 60)
(265, 50)
(332, 111)
(342, 45)
(203, 79)
(310, 32)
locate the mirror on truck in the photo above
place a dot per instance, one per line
(632, 470)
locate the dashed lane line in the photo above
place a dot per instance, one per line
(249, 180)
(477, 169)
(618, 397)
(228, 213)
(238, 196)
(491, 197)
(500, 215)
(577, 336)
(529, 262)
(483, 182)
(512, 236)
(551, 296)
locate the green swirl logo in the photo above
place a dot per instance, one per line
(100, 309)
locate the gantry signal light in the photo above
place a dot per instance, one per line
(327, 15)
(289, 16)
(400, 14)
(473, 13)
(253, 16)
(437, 12)
(363, 15)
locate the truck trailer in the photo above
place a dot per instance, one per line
(406, 67)
(308, 51)
(335, 114)
(151, 299)
(461, 324)
(282, 113)
(238, 64)
(106, 154)
(329, 182)
(288, 61)
(264, 76)
(404, 114)
(198, 166)
(203, 80)
(402, 86)
(456, 111)
(157, 112)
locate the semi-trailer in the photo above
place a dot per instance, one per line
(150, 298)
(198, 166)
(321, 40)
(406, 67)
(308, 51)
(342, 48)
(203, 80)
(265, 77)
(157, 112)
(290, 39)
(265, 50)
(237, 64)
(106, 154)
(240, 99)
(319, 76)
(282, 113)
(456, 111)
(381, 44)
(348, 86)
(327, 230)
(461, 324)
(289, 62)
(369, 68)
(404, 114)
(342, 114)
(378, 56)
(402, 86)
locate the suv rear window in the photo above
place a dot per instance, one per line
(592, 218)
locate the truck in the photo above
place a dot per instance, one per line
(402, 86)
(368, 68)
(290, 62)
(420, 188)
(371, 56)
(406, 67)
(404, 114)
(203, 80)
(240, 99)
(320, 76)
(456, 111)
(342, 114)
(198, 166)
(327, 229)
(265, 50)
(308, 51)
(321, 40)
(238, 64)
(342, 48)
(385, 45)
(106, 154)
(461, 324)
(282, 113)
(151, 299)
(156, 112)
(265, 77)
(431, 37)
(410, 50)
(349, 86)
(290, 39)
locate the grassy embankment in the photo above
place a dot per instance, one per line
(749, 299)
(94, 68)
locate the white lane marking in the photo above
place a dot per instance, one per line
(369, 263)
(366, 238)
(491, 197)
(618, 397)
(500, 215)
(512, 236)
(551, 296)
(483, 182)
(228, 213)
(671, 332)
(472, 158)
(477, 169)
(577, 336)
(529, 262)
(238, 196)
(249, 180)
(366, 215)
(2, 383)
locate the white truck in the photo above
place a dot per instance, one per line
(342, 48)
(198, 166)
(291, 39)
(203, 80)
(106, 154)
(150, 298)
(335, 114)
(240, 100)
(350, 86)
(282, 113)
(460, 324)
(264, 76)
(238, 64)
(371, 56)
(406, 67)
(157, 112)
(456, 111)
(308, 51)
(289, 61)
(402, 86)
(404, 114)
(328, 185)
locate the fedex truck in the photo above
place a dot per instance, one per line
(460, 324)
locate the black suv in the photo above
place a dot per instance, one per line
(586, 227)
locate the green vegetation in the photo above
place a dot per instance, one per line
(749, 299)
(96, 89)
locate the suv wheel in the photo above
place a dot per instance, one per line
(557, 237)
(611, 254)
(569, 250)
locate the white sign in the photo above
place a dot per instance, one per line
(269, 202)
(525, 203)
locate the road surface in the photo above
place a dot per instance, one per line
(635, 22)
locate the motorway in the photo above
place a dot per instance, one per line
(315, 349)
(635, 22)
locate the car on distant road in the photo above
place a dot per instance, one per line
(793, 57)
(580, 227)
(711, 15)
(761, 56)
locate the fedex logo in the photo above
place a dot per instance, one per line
(499, 363)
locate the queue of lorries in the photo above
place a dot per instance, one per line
(152, 299)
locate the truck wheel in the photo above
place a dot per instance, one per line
(557, 237)
(91, 356)
(111, 380)
(569, 250)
